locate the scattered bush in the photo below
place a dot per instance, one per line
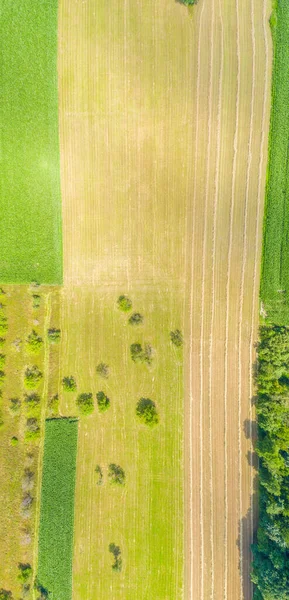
(116, 474)
(85, 404)
(136, 319)
(5, 595)
(102, 370)
(188, 2)
(140, 354)
(14, 441)
(28, 480)
(25, 572)
(98, 470)
(32, 430)
(32, 403)
(103, 401)
(32, 377)
(2, 360)
(36, 299)
(2, 377)
(53, 406)
(53, 335)
(115, 550)
(2, 341)
(176, 338)
(3, 323)
(26, 505)
(15, 406)
(34, 343)
(146, 411)
(26, 590)
(69, 384)
(124, 303)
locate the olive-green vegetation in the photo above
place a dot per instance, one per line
(53, 335)
(85, 404)
(275, 263)
(136, 319)
(146, 412)
(57, 508)
(69, 384)
(34, 343)
(99, 472)
(141, 354)
(124, 303)
(30, 202)
(115, 551)
(102, 370)
(32, 377)
(176, 338)
(116, 474)
(103, 401)
(271, 551)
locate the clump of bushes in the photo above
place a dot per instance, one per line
(124, 303)
(53, 406)
(32, 432)
(102, 370)
(146, 412)
(69, 384)
(2, 341)
(54, 335)
(2, 377)
(34, 343)
(115, 550)
(98, 471)
(14, 441)
(140, 354)
(15, 406)
(85, 404)
(116, 474)
(2, 360)
(32, 377)
(5, 595)
(25, 572)
(36, 299)
(28, 480)
(188, 2)
(176, 338)
(136, 319)
(32, 403)
(103, 401)
(3, 323)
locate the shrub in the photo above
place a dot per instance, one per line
(98, 470)
(69, 384)
(26, 505)
(2, 341)
(36, 300)
(3, 323)
(32, 430)
(34, 343)
(103, 401)
(53, 335)
(176, 338)
(15, 406)
(102, 370)
(115, 550)
(2, 376)
(5, 595)
(32, 403)
(25, 572)
(85, 404)
(2, 360)
(116, 474)
(140, 354)
(136, 319)
(188, 2)
(28, 480)
(146, 411)
(32, 377)
(124, 303)
(53, 406)
(14, 441)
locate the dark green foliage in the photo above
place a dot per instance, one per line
(54, 335)
(103, 401)
(25, 572)
(115, 550)
(271, 551)
(85, 404)
(14, 441)
(140, 354)
(98, 470)
(176, 338)
(136, 319)
(2, 360)
(2, 341)
(146, 411)
(32, 432)
(32, 377)
(102, 370)
(15, 406)
(2, 377)
(188, 2)
(3, 323)
(69, 384)
(36, 300)
(5, 595)
(116, 474)
(124, 303)
(32, 404)
(56, 528)
(34, 342)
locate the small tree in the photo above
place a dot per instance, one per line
(34, 343)
(98, 470)
(2, 341)
(2, 360)
(85, 404)
(32, 377)
(124, 303)
(14, 441)
(36, 300)
(5, 595)
(136, 319)
(28, 480)
(32, 432)
(2, 376)
(53, 406)
(69, 384)
(102, 370)
(116, 474)
(53, 335)
(188, 2)
(15, 406)
(26, 505)
(25, 572)
(115, 550)
(103, 401)
(32, 403)
(146, 412)
(141, 355)
(176, 338)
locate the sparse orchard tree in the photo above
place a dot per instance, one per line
(102, 370)
(176, 338)
(146, 412)
(103, 401)
(136, 319)
(69, 384)
(124, 303)
(85, 404)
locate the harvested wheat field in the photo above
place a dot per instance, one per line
(231, 107)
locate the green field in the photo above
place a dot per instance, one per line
(275, 265)
(30, 203)
(57, 508)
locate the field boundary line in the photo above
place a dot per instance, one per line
(232, 208)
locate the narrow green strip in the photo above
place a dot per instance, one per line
(57, 508)
(30, 201)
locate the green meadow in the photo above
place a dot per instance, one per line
(30, 202)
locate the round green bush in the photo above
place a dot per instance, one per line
(146, 412)
(103, 401)
(32, 377)
(69, 384)
(136, 319)
(102, 370)
(14, 441)
(85, 404)
(34, 343)
(124, 303)
(176, 338)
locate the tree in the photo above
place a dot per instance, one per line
(115, 550)
(25, 572)
(176, 338)
(34, 343)
(102, 370)
(188, 2)
(146, 412)
(5, 595)
(140, 354)
(136, 319)
(32, 377)
(124, 303)
(103, 401)
(116, 474)
(53, 335)
(69, 384)
(85, 404)
(98, 470)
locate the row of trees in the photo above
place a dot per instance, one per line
(271, 551)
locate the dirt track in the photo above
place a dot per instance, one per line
(233, 50)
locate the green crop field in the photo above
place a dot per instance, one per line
(30, 204)
(57, 508)
(275, 267)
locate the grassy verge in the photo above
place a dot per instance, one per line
(275, 263)
(57, 508)
(30, 204)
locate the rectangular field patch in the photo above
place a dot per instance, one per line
(30, 200)
(57, 508)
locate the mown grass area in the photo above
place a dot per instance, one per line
(275, 264)
(30, 202)
(57, 508)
